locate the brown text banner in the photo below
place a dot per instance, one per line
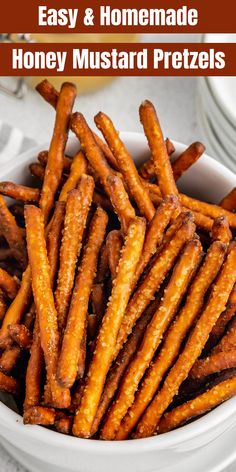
(124, 59)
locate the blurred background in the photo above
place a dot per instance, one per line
(189, 108)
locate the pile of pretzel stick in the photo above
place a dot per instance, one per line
(117, 292)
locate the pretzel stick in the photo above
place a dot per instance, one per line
(180, 165)
(174, 337)
(10, 285)
(37, 170)
(98, 302)
(107, 152)
(213, 364)
(147, 170)
(123, 359)
(202, 221)
(77, 208)
(187, 159)
(55, 162)
(222, 322)
(17, 308)
(34, 371)
(39, 415)
(43, 159)
(74, 331)
(44, 301)
(220, 230)
(126, 165)
(229, 201)
(171, 299)
(8, 384)
(9, 359)
(227, 343)
(106, 340)
(20, 334)
(152, 281)
(54, 239)
(157, 146)
(114, 243)
(50, 95)
(19, 192)
(207, 209)
(12, 233)
(48, 92)
(101, 167)
(3, 305)
(155, 233)
(198, 406)
(216, 304)
(78, 167)
(64, 425)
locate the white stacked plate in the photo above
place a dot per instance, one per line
(216, 109)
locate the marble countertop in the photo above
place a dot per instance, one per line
(175, 102)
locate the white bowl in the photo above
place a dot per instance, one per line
(40, 449)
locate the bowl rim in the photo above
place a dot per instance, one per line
(13, 421)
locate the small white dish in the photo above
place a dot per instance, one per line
(40, 449)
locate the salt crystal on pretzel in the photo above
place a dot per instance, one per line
(111, 322)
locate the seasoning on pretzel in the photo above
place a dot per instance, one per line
(55, 161)
(214, 363)
(72, 342)
(111, 322)
(97, 160)
(198, 406)
(174, 337)
(78, 167)
(77, 208)
(19, 192)
(126, 165)
(152, 281)
(157, 146)
(171, 299)
(44, 300)
(195, 343)
(114, 243)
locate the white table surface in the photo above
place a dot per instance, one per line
(175, 102)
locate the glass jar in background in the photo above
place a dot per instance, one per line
(84, 84)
